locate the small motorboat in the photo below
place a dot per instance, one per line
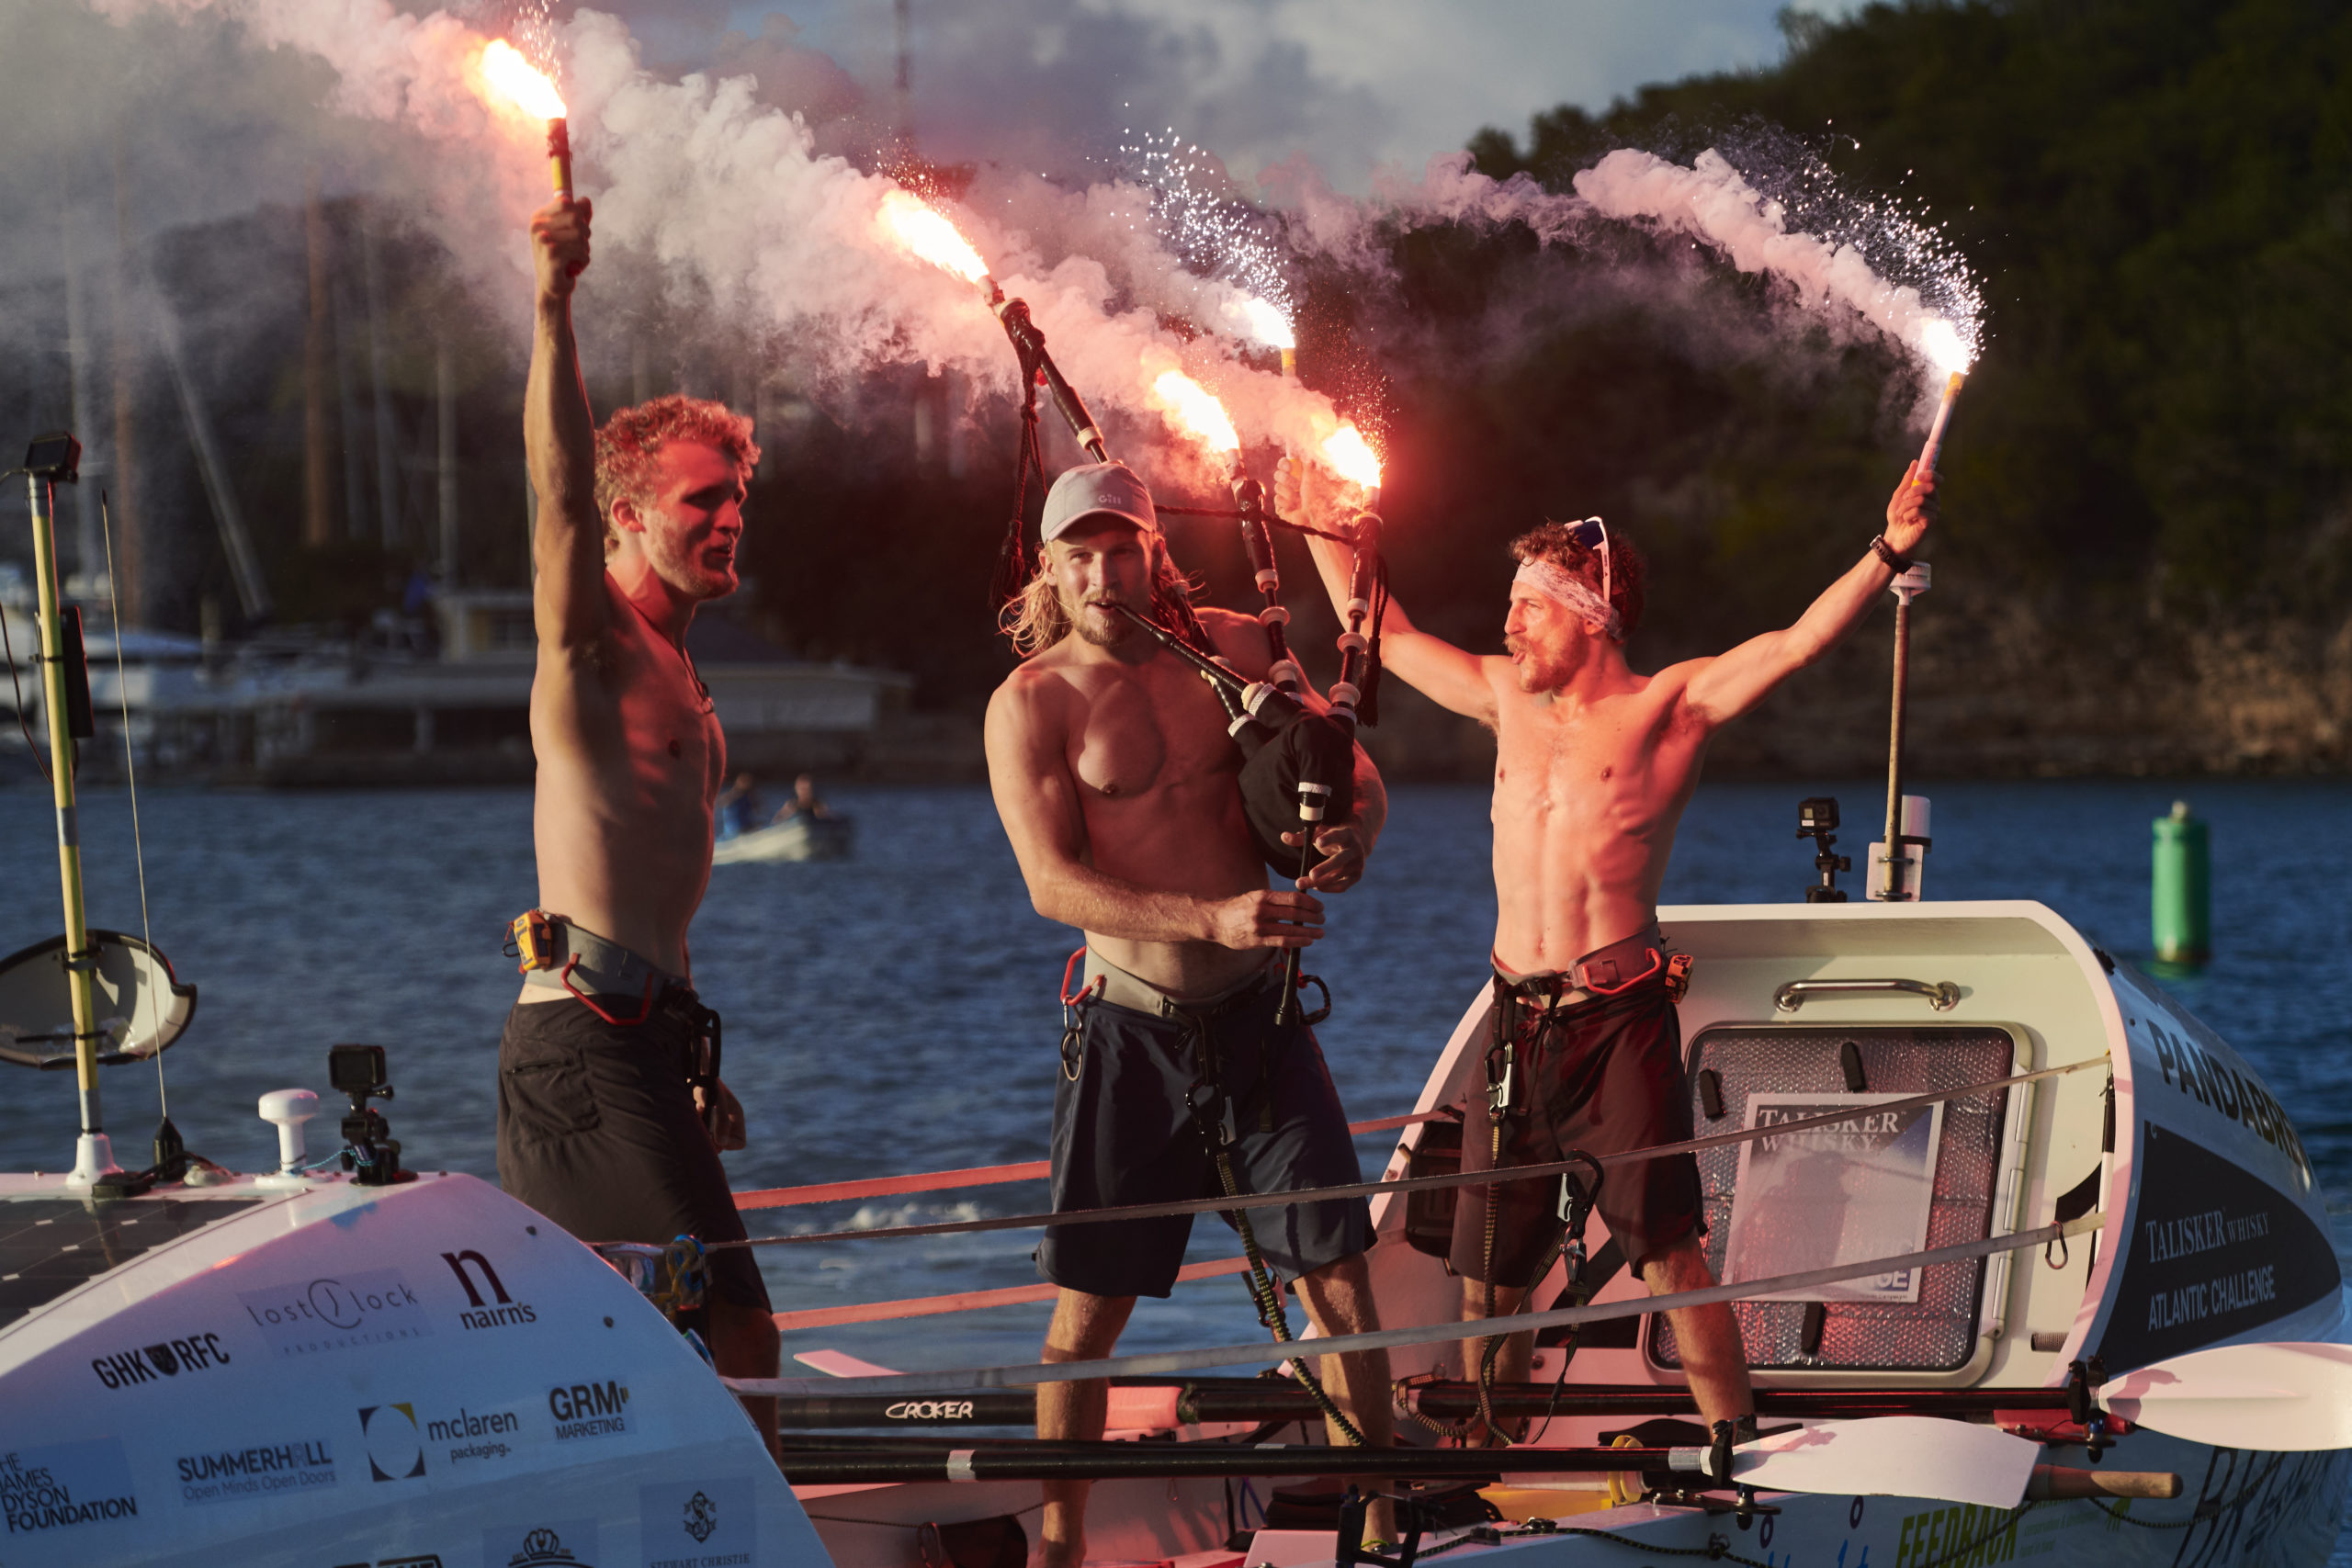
(801, 837)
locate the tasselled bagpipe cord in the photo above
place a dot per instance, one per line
(1263, 1292)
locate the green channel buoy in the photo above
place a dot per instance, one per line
(2181, 888)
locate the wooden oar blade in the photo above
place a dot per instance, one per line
(2273, 1398)
(1898, 1456)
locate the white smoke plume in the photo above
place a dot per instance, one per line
(725, 202)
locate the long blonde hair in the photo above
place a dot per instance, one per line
(1033, 620)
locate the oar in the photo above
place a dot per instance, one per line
(2274, 1398)
(1889, 1456)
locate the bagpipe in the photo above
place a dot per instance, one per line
(1297, 763)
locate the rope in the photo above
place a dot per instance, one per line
(1164, 1362)
(131, 773)
(1403, 1184)
(976, 1176)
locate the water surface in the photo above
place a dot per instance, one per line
(897, 1011)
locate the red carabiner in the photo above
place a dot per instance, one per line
(1092, 988)
(643, 1012)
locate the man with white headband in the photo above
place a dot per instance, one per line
(1593, 766)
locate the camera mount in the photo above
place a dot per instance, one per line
(1817, 821)
(370, 1151)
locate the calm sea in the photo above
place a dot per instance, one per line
(895, 1011)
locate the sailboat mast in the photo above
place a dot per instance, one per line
(93, 1152)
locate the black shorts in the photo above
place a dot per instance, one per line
(1605, 1076)
(1122, 1134)
(597, 1131)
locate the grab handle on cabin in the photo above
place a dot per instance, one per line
(1941, 994)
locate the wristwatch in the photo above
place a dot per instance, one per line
(1896, 561)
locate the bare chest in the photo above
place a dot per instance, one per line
(671, 733)
(1140, 733)
(1614, 762)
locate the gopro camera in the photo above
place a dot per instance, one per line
(56, 456)
(370, 1151)
(1817, 821)
(359, 1071)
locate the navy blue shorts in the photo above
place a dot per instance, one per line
(1123, 1133)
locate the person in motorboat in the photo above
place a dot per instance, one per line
(1594, 764)
(804, 801)
(611, 1117)
(738, 807)
(1117, 784)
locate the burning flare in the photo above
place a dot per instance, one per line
(1351, 456)
(913, 226)
(1265, 322)
(521, 83)
(1945, 348)
(1191, 409)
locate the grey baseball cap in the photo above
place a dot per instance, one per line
(1097, 490)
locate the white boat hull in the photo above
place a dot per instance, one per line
(424, 1374)
(795, 839)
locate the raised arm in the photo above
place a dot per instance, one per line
(1037, 799)
(559, 441)
(1725, 687)
(1453, 679)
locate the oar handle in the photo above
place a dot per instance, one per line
(2056, 1483)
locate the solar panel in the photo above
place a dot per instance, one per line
(50, 1245)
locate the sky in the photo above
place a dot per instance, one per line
(1352, 85)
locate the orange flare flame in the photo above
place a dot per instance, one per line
(917, 227)
(1191, 409)
(1351, 456)
(523, 85)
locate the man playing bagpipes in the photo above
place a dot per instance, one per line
(1188, 1070)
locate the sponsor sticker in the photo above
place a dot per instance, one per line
(488, 1304)
(164, 1359)
(710, 1524)
(262, 1470)
(566, 1544)
(65, 1487)
(588, 1410)
(337, 1311)
(394, 1442)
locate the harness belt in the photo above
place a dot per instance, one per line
(1107, 982)
(556, 956)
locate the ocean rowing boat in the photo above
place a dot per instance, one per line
(1996, 1208)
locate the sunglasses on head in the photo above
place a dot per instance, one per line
(1593, 535)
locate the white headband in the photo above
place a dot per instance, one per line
(1571, 594)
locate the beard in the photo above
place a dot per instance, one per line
(691, 572)
(1106, 629)
(1536, 674)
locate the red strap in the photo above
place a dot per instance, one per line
(643, 1012)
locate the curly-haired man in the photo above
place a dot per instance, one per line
(1593, 766)
(610, 1113)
